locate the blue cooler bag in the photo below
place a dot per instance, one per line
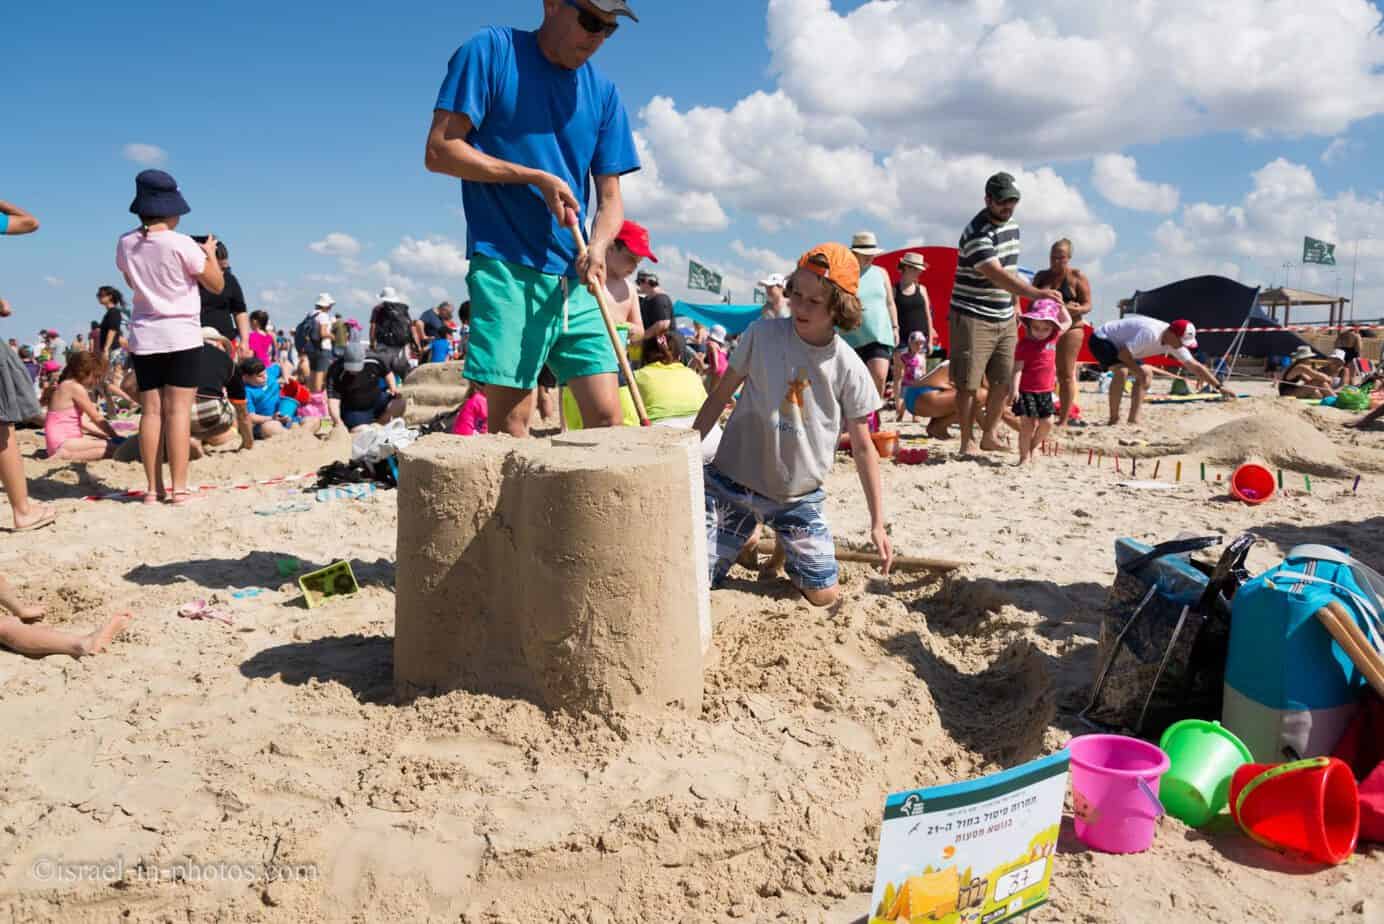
(1290, 691)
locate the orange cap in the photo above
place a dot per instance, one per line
(833, 262)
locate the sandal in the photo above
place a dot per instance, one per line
(180, 498)
(40, 523)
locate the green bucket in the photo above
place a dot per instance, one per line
(1204, 758)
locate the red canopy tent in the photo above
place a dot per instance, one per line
(938, 279)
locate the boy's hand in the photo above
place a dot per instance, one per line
(884, 547)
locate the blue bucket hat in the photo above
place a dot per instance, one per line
(157, 196)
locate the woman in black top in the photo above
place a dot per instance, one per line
(915, 311)
(1076, 292)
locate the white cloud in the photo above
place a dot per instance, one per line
(761, 261)
(326, 279)
(437, 293)
(146, 155)
(434, 256)
(336, 244)
(1116, 177)
(653, 204)
(1336, 151)
(56, 282)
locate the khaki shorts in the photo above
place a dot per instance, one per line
(981, 351)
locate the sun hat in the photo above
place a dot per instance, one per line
(718, 334)
(324, 301)
(1303, 352)
(835, 263)
(614, 7)
(1001, 188)
(387, 294)
(914, 259)
(917, 337)
(52, 365)
(1043, 309)
(772, 280)
(866, 244)
(635, 237)
(1186, 331)
(353, 357)
(53, 333)
(157, 196)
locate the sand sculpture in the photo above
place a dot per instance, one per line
(569, 571)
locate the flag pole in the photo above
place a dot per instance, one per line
(1354, 265)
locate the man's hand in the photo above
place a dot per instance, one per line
(591, 267)
(1053, 294)
(1228, 393)
(884, 547)
(558, 195)
(5, 311)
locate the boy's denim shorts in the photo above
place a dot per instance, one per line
(733, 512)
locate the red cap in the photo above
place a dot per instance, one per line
(635, 237)
(1185, 332)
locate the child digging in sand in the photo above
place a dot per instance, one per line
(800, 379)
(74, 429)
(18, 635)
(1035, 373)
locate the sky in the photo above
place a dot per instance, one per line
(1164, 139)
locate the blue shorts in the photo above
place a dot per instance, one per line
(912, 393)
(733, 512)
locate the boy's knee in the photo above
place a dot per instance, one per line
(824, 596)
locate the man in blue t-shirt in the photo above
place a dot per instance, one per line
(529, 126)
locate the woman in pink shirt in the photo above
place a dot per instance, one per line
(1035, 373)
(165, 343)
(261, 341)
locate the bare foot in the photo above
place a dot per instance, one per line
(938, 431)
(96, 642)
(28, 614)
(990, 445)
(37, 514)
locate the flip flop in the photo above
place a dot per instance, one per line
(40, 523)
(200, 609)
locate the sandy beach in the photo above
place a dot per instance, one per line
(271, 750)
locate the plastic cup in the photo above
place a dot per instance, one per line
(1252, 483)
(1204, 758)
(1310, 807)
(1115, 790)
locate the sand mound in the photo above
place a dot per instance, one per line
(1283, 439)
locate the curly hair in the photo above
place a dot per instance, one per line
(846, 311)
(84, 367)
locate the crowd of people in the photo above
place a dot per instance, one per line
(836, 338)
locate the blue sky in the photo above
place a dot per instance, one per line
(290, 122)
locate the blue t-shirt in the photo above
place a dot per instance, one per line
(4, 224)
(527, 110)
(440, 350)
(265, 399)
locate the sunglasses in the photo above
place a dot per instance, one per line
(591, 22)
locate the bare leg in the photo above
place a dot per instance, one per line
(1027, 427)
(1117, 384)
(151, 440)
(26, 513)
(1369, 418)
(822, 598)
(270, 429)
(547, 402)
(773, 568)
(598, 398)
(9, 600)
(396, 408)
(38, 641)
(1068, 351)
(177, 432)
(510, 409)
(84, 449)
(879, 371)
(965, 408)
(1044, 431)
(994, 412)
(1136, 401)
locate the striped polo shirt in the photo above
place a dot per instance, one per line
(984, 240)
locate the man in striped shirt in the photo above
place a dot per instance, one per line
(983, 329)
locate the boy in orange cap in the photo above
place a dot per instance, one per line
(800, 381)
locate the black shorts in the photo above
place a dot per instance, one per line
(181, 369)
(546, 378)
(1351, 356)
(1105, 352)
(1035, 404)
(319, 360)
(874, 351)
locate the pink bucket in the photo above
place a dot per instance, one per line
(1115, 791)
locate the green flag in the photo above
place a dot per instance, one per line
(699, 277)
(1315, 251)
(760, 296)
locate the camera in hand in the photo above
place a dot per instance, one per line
(221, 252)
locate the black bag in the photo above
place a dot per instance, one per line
(307, 335)
(392, 325)
(1165, 639)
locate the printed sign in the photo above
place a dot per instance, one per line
(971, 853)
(1315, 251)
(699, 277)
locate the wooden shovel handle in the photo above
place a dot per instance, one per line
(614, 335)
(901, 562)
(1347, 634)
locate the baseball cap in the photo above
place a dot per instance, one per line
(635, 237)
(1001, 188)
(614, 7)
(647, 276)
(772, 280)
(833, 262)
(1186, 332)
(353, 359)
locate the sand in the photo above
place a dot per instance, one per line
(277, 740)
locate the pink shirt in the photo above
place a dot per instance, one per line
(1040, 363)
(262, 345)
(163, 268)
(473, 416)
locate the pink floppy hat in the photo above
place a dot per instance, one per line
(1043, 309)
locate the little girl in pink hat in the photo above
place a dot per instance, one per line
(1035, 372)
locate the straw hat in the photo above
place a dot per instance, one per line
(866, 244)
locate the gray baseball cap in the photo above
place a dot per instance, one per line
(614, 7)
(353, 359)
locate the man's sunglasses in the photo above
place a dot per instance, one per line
(591, 22)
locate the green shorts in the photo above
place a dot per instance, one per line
(517, 327)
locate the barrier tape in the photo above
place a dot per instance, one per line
(207, 488)
(1296, 328)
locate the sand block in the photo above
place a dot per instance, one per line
(567, 571)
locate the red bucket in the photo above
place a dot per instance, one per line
(1310, 807)
(1252, 483)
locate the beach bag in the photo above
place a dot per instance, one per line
(375, 444)
(1363, 749)
(392, 325)
(1290, 691)
(1164, 638)
(305, 335)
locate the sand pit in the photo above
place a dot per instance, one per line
(280, 739)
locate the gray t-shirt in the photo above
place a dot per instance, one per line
(781, 438)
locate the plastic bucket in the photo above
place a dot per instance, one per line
(1204, 758)
(1115, 790)
(1252, 483)
(886, 441)
(1309, 807)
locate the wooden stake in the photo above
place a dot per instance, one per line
(901, 562)
(1158, 463)
(1090, 454)
(1179, 472)
(1356, 488)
